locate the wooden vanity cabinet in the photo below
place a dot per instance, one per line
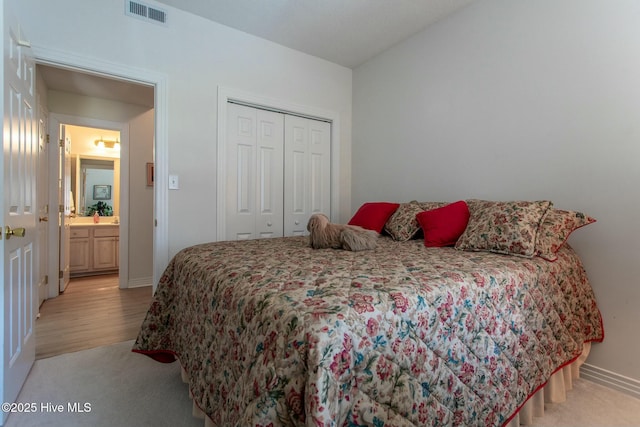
(105, 248)
(79, 253)
(94, 250)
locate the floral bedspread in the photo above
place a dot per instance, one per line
(272, 332)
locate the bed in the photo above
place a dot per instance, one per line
(272, 332)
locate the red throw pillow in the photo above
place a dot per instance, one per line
(443, 226)
(374, 215)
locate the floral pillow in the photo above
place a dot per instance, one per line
(555, 230)
(503, 227)
(403, 225)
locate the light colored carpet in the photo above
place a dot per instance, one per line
(592, 405)
(123, 388)
(129, 389)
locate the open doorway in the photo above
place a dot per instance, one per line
(94, 205)
(93, 109)
(86, 178)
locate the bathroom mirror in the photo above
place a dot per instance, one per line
(96, 186)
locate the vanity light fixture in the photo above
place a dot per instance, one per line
(103, 143)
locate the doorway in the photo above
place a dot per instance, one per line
(94, 208)
(72, 189)
(72, 99)
(84, 67)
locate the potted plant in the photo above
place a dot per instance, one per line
(102, 208)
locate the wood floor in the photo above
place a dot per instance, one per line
(91, 312)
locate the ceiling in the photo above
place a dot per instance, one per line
(346, 32)
(70, 81)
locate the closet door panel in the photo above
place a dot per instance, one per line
(316, 190)
(298, 182)
(241, 147)
(269, 165)
(296, 176)
(320, 169)
(306, 172)
(244, 178)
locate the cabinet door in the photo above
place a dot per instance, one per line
(79, 255)
(79, 250)
(105, 253)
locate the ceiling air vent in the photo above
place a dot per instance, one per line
(146, 12)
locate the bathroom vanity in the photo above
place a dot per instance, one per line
(94, 249)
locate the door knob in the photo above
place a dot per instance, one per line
(43, 219)
(18, 232)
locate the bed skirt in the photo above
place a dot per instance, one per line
(554, 391)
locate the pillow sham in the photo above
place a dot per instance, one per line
(373, 215)
(503, 227)
(556, 228)
(403, 225)
(443, 226)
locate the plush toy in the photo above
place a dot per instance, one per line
(337, 236)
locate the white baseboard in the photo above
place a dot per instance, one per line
(610, 379)
(140, 282)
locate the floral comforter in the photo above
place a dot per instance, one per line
(272, 332)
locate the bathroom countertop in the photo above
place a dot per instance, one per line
(91, 224)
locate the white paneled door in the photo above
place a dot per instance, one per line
(19, 210)
(307, 169)
(254, 174)
(278, 172)
(64, 214)
(43, 207)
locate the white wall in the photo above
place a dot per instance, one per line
(197, 56)
(520, 100)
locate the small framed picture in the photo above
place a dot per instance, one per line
(101, 192)
(149, 174)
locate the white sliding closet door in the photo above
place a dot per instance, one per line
(307, 171)
(278, 173)
(254, 173)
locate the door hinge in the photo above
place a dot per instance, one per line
(47, 138)
(61, 143)
(60, 208)
(46, 279)
(60, 274)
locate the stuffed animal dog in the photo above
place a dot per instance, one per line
(338, 236)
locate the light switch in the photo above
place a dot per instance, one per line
(173, 182)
